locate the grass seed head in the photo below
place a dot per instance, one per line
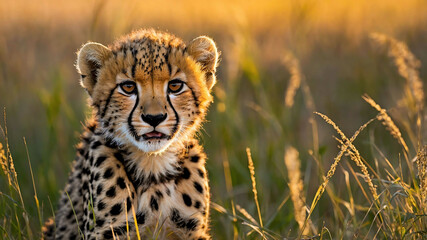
(293, 66)
(385, 119)
(406, 63)
(296, 186)
(422, 174)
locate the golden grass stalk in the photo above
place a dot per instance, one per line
(347, 144)
(4, 164)
(406, 63)
(298, 80)
(112, 231)
(252, 171)
(296, 186)
(9, 167)
(354, 154)
(422, 174)
(127, 221)
(246, 214)
(36, 199)
(134, 216)
(385, 119)
(292, 64)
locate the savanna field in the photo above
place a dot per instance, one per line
(317, 129)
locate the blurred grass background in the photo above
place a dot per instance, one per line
(45, 104)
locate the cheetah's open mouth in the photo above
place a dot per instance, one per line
(154, 135)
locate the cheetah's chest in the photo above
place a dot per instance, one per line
(175, 200)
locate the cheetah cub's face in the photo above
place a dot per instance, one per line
(149, 89)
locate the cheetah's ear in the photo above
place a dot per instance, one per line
(203, 50)
(90, 58)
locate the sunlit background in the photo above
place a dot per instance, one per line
(263, 44)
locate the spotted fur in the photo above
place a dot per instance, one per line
(138, 167)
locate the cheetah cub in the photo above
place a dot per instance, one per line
(139, 169)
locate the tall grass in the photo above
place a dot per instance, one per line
(305, 72)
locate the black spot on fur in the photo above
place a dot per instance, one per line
(186, 173)
(140, 217)
(108, 173)
(99, 222)
(153, 204)
(121, 183)
(116, 209)
(108, 234)
(195, 158)
(73, 236)
(177, 219)
(119, 157)
(198, 187)
(191, 224)
(111, 192)
(128, 204)
(101, 205)
(159, 194)
(201, 173)
(165, 177)
(70, 214)
(100, 160)
(197, 204)
(81, 151)
(180, 222)
(187, 199)
(91, 127)
(120, 230)
(96, 144)
(99, 189)
(111, 144)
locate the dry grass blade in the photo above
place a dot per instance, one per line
(385, 119)
(331, 172)
(292, 64)
(36, 199)
(422, 173)
(134, 216)
(246, 214)
(406, 63)
(354, 153)
(4, 164)
(252, 171)
(296, 186)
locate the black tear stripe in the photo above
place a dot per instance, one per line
(131, 127)
(108, 101)
(175, 127)
(196, 101)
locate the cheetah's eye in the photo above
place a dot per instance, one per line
(175, 86)
(128, 87)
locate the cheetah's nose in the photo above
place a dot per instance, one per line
(154, 120)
